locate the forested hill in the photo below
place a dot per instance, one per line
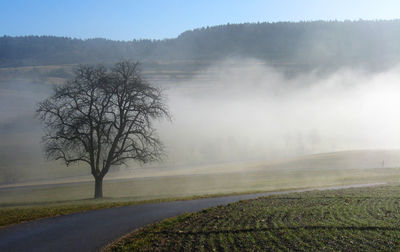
(371, 43)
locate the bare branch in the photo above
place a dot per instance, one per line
(103, 118)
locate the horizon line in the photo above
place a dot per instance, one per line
(204, 27)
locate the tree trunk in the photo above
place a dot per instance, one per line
(98, 188)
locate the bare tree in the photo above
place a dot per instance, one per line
(103, 118)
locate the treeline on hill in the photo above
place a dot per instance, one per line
(371, 43)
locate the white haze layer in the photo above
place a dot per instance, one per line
(236, 110)
(245, 110)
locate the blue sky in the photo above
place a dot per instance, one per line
(158, 19)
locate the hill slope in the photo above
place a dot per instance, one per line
(375, 44)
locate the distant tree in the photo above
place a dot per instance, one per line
(103, 117)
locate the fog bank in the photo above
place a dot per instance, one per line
(246, 110)
(235, 111)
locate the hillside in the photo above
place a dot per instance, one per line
(305, 45)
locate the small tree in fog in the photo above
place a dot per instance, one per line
(103, 117)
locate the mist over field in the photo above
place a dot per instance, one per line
(251, 111)
(236, 110)
(19, 132)
(21, 152)
(199, 125)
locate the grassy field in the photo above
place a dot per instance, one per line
(29, 202)
(362, 219)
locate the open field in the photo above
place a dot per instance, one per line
(326, 169)
(357, 219)
(183, 186)
(28, 202)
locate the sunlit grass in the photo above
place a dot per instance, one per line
(19, 204)
(29, 203)
(182, 186)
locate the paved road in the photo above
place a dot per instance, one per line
(92, 230)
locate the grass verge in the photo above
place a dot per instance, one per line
(14, 213)
(357, 219)
(10, 214)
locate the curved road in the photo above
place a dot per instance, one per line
(92, 230)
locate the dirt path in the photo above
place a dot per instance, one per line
(92, 230)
